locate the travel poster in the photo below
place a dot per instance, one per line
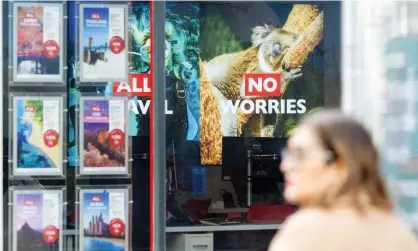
(103, 140)
(103, 220)
(103, 51)
(38, 41)
(37, 145)
(37, 220)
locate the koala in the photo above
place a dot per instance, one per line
(273, 44)
(226, 72)
(270, 45)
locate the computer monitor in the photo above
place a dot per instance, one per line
(265, 158)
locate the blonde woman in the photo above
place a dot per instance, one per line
(331, 172)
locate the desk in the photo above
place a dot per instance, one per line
(199, 230)
(237, 227)
(183, 233)
(212, 210)
(191, 229)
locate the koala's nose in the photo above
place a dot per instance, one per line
(276, 49)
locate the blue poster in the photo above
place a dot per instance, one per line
(103, 222)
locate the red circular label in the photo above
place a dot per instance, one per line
(50, 234)
(51, 138)
(51, 49)
(116, 44)
(116, 227)
(117, 138)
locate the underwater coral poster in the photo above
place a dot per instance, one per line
(37, 47)
(103, 138)
(103, 220)
(37, 136)
(103, 43)
(37, 220)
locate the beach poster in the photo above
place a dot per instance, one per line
(37, 53)
(103, 51)
(37, 145)
(37, 217)
(103, 220)
(103, 138)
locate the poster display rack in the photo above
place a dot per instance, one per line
(40, 179)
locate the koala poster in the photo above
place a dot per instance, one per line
(257, 38)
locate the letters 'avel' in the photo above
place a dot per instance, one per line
(262, 85)
(139, 85)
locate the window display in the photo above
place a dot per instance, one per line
(237, 78)
(38, 42)
(38, 136)
(103, 33)
(104, 219)
(37, 219)
(103, 138)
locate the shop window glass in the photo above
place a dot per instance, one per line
(228, 120)
(76, 159)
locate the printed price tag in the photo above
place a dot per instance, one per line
(50, 234)
(51, 49)
(117, 138)
(116, 227)
(51, 138)
(117, 44)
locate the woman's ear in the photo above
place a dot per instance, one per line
(259, 33)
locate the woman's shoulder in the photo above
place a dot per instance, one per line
(314, 225)
(322, 217)
(373, 223)
(306, 222)
(311, 215)
(300, 231)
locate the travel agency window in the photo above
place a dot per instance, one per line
(76, 154)
(238, 78)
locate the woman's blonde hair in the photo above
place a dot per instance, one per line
(350, 144)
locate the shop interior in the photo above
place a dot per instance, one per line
(243, 193)
(247, 182)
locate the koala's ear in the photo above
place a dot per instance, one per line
(259, 33)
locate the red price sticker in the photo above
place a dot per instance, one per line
(117, 138)
(50, 234)
(116, 227)
(51, 138)
(116, 44)
(51, 49)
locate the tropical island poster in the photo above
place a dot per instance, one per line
(38, 146)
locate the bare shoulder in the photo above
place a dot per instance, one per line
(302, 231)
(312, 216)
(307, 229)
